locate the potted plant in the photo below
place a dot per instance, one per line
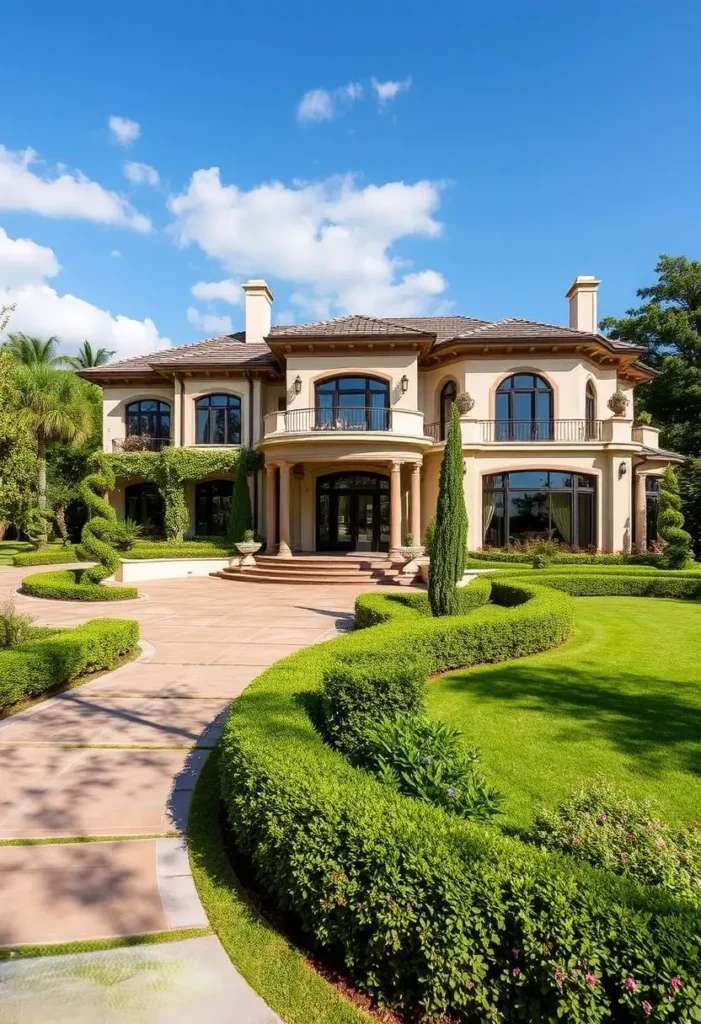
(618, 403)
(410, 551)
(465, 402)
(248, 548)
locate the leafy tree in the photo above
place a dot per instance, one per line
(17, 455)
(87, 357)
(33, 351)
(240, 517)
(449, 545)
(670, 522)
(53, 406)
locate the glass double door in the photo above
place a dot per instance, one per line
(352, 519)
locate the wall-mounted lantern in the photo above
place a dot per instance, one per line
(298, 385)
(405, 384)
(622, 469)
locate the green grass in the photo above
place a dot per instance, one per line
(277, 971)
(68, 840)
(98, 945)
(622, 698)
(10, 548)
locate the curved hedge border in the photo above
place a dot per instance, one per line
(566, 558)
(618, 584)
(51, 658)
(48, 556)
(430, 911)
(67, 585)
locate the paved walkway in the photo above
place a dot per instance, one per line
(204, 641)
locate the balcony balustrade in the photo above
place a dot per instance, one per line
(140, 443)
(564, 431)
(331, 418)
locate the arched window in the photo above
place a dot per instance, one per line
(219, 419)
(590, 411)
(149, 417)
(143, 503)
(524, 409)
(537, 504)
(212, 507)
(449, 393)
(352, 403)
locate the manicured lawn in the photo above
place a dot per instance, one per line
(622, 698)
(10, 548)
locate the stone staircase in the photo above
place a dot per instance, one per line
(370, 569)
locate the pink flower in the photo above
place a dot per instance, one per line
(515, 951)
(559, 975)
(516, 971)
(631, 984)
(675, 982)
(646, 1007)
(659, 843)
(603, 818)
(591, 979)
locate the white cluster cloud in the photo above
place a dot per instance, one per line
(141, 174)
(40, 310)
(386, 91)
(326, 104)
(209, 323)
(67, 195)
(334, 239)
(222, 291)
(123, 130)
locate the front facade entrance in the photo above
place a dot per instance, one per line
(352, 512)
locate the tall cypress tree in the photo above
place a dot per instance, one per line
(241, 516)
(670, 522)
(449, 547)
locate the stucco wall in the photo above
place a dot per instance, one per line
(114, 403)
(390, 366)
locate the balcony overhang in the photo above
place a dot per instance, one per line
(343, 446)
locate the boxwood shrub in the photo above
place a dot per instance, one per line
(185, 549)
(496, 555)
(619, 584)
(66, 585)
(52, 657)
(373, 609)
(48, 556)
(428, 911)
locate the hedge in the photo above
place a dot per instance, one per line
(53, 657)
(619, 584)
(372, 609)
(184, 549)
(66, 585)
(48, 556)
(566, 557)
(427, 910)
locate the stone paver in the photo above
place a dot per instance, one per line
(209, 639)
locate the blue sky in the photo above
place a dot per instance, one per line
(518, 146)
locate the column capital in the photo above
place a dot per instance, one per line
(416, 468)
(395, 466)
(270, 468)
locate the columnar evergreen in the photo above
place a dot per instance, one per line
(449, 545)
(240, 517)
(670, 522)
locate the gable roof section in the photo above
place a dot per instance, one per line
(347, 326)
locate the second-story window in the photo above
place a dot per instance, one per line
(524, 409)
(449, 393)
(218, 420)
(590, 411)
(352, 403)
(148, 417)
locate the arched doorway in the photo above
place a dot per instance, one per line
(352, 512)
(143, 504)
(212, 507)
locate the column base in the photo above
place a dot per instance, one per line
(284, 550)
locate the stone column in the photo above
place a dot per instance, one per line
(395, 509)
(270, 470)
(640, 513)
(284, 545)
(415, 503)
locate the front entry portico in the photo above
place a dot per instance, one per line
(352, 512)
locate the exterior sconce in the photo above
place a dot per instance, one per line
(297, 385)
(622, 469)
(405, 384)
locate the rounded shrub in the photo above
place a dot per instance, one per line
(670, 522)
(70, 585)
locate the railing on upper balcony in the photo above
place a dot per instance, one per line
(140, 443)
(432, 430)
(362, 417)
(541, 430)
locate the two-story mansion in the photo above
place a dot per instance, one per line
(350, 415)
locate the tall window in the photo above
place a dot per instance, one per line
(449, 393)
(539, 505)
(524, 409)
(148, 416)
(590, 411)
(352, 403)
(212, 507)
(652, 498)
(219, 419)
(143, 503)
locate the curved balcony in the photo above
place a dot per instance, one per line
(140, 443)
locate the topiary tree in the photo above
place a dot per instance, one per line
(670, 522)
(449, 544)
(102, 524)
(241, 516)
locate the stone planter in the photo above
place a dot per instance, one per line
(410, 555)
(248, 548)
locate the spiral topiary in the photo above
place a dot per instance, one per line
(670, 522)
(101, 525)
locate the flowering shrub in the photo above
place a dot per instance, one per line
(610, 830)
(427, 760)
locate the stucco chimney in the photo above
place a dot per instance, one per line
(259, 301)
(582, 296)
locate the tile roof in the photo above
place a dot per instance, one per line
(661, 453)
(227, 349)
(343, 326)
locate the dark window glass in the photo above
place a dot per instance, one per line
(586, 534)
(143, 503)
(652, 485)
(524, 408)
(586, 482)
(352, 403)
(560, 479)
(219, 420)
(212, 507)
(148, 417)
(448, 395)
(529, 478)
(539, 505)
(493, 518)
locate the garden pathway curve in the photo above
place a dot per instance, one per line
(119, 757)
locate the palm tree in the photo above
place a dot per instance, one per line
(53, 406)
(87, 357)
(33, 351)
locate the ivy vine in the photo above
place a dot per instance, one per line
(172, 469)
